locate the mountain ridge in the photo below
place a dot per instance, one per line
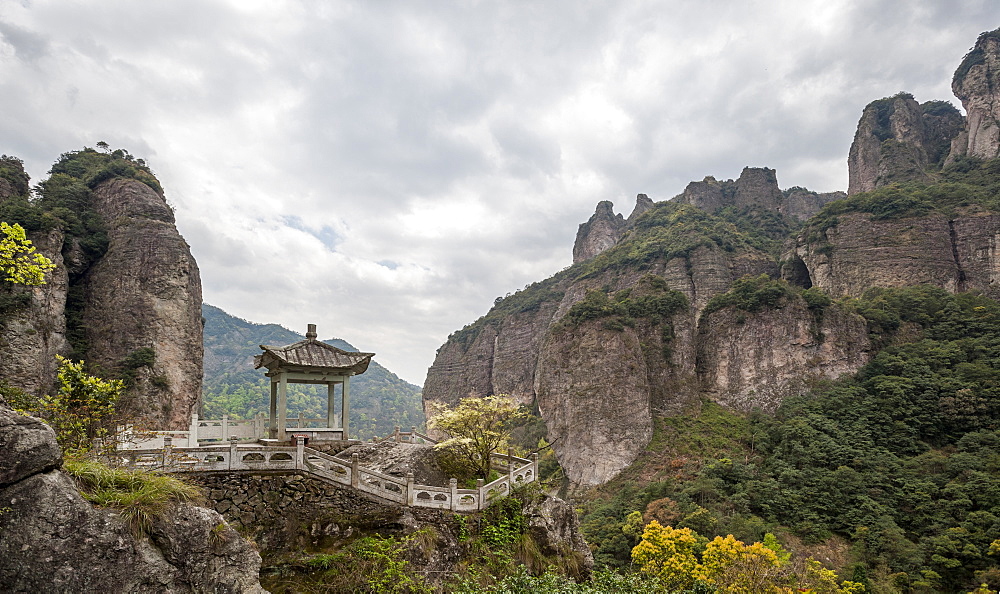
(380, 399)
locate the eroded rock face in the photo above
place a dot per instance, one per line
(899, 140)
(642, 204)
(53, 540)
(957, 254)
(554, 526)
(801, 204)
(28, 446)
(145, 292)
(34, 334)
(593, 392)
(752, 361)
(527, 356)
(462, 367)
(757, 187)
(709, 194)
(977, 85)
(602, 231)
(6, 189)
(515, 360)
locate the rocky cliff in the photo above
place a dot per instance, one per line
(145, 293)
(53, 540)
(755, 360)
(898, 140)
(921, 209)
(977, 85)
(956, 251)
(601, 231)
(605, 346)
(125, 295)
(604, 229)
(35, 325)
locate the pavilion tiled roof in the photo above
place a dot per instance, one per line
(313, 354)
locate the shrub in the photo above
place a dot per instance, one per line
(752, 294)
(369, 564)
(816, 298)
(83, 409)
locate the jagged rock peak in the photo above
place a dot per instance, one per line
(642, 204)
(758, 187)
(709, 194)
(977, 85)
(899, 139)
(602, 231)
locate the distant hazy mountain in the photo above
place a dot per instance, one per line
(380, 400)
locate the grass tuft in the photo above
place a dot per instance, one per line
(138, 496)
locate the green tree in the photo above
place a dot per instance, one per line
(19, 261)
(476, 427)
(82, 410)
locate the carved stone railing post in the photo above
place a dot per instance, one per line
(481, 499)
(510, 469)
(225, 428)
(410, 495)
(233, 441)
(193, 431)
(168, 447)
(453, 485)
(395, 434)
(355, 472)
(534, 467)
(413, 434)
(300, 444)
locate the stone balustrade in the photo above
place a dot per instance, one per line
(202, 431)
(237, 457)
(411, 436)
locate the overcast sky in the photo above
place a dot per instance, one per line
(387, 169)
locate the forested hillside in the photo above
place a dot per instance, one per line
(379, 399)
(894, 473)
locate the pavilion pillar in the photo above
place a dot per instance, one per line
(345, 406)
(331, 418)
(282, 405)
(272, 427)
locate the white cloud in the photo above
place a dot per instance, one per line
(387, 169)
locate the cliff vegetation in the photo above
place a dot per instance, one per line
(891, 473)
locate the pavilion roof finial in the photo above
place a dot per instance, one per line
(311, 332)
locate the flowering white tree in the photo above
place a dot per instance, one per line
(477, 427)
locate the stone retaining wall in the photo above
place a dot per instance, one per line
(290, 511)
